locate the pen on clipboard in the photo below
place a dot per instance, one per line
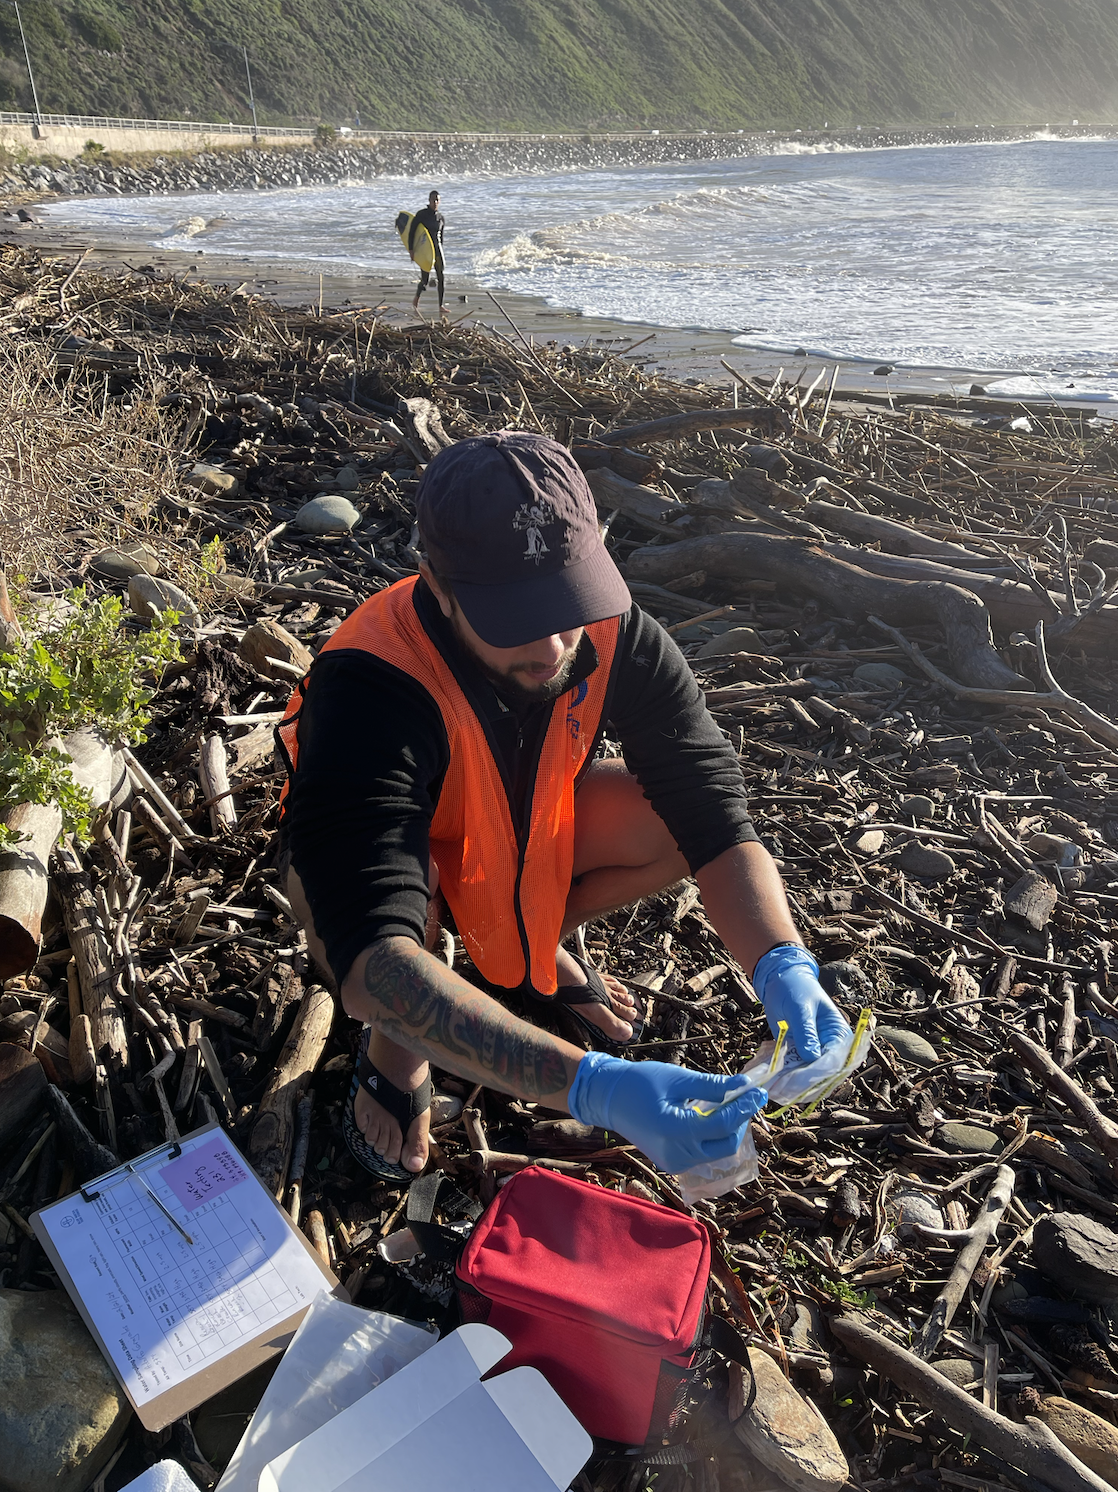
(167, 1213)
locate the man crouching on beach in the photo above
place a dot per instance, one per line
(447, 739)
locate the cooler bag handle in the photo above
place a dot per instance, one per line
(432, 1193)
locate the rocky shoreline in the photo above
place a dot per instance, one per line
(365, 158)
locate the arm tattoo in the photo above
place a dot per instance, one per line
(428, 1008)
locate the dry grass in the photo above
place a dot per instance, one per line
(76, 469)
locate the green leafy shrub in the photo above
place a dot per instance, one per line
(85, 669)
(325, 134)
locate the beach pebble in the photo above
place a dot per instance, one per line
(128, 560)
(148, 596)
(869, 842)
(908, 1046)
(846, 981)
(327, 514)
(347, 479)
(62, 1412)
(737, 640)
(880, 676)
(265, 642)
(925, 860)
(918, 808)
(1079, 1255)
(1052, 848)
(1086, 1435)
(785, 1432)
(213, 481)
(906, 1209)
(958, 1138)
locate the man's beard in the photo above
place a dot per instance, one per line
(516, 693)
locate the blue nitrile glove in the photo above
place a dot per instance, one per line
(787, 983)
(644, 1101)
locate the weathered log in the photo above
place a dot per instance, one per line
(636, 466)
(978, 1235)
(652, 510)
(23, 1086)
(23, 868)
(273, 1128)
(94, 960)
(847, 589)
(1013, 607)
(900, 538)
(680, 426)
(213, 774)
(1030, 1447)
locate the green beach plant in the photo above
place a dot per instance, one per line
(89, 667)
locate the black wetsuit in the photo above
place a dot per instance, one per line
(433, 220)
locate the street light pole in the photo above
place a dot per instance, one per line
(251, 100)
(30, 74)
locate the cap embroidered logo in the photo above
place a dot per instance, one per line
(529, 519)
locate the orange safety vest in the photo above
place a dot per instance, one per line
(507, 889)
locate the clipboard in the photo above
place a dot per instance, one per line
(185, 1269)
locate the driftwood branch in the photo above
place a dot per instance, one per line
(93, 958)
(679, 426)
(1102, 1130)
(977, 1236)
(1031, 1447)
(273, 1130)
(1056, 699)
(802, 566)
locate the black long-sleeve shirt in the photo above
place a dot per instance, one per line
(373, 753)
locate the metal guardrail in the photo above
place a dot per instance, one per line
(209, 127)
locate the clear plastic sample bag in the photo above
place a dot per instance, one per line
(788, 1083)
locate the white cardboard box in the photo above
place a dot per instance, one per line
(435, 1425)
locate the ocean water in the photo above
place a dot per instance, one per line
(998, 259)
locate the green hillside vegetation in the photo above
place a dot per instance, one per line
(577, 64)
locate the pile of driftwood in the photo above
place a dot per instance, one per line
(903, 618)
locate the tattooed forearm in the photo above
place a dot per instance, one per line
(421, 1004)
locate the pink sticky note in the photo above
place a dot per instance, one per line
(204, 1173)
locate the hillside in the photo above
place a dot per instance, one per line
(548, 64)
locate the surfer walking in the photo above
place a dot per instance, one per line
(431, 218)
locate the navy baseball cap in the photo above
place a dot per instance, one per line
(509, 521)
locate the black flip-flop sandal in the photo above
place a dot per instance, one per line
(403, 1107)
(593, 992)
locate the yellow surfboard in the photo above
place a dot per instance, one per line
(416, 239)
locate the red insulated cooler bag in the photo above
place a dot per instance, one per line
(603, 1293)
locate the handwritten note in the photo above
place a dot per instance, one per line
(167, 1304)
(204, 1174)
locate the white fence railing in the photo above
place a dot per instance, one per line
(209, 127)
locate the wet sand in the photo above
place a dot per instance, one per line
(677, 352)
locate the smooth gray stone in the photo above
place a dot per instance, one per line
(869, 842)
(1079, 1255)
(347, 479)
(908, 1046)
(908, 1208)
(327, 514)
(926, 861)
(147, 596)
(738, 640)
(918, 808)
(128, 560)
(62, 1412)
(967, 1139)
(788, 1434)
(880, 676)
(960, 1371)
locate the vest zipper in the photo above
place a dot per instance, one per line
(523, 835)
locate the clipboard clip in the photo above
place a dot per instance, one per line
(130, 1168)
